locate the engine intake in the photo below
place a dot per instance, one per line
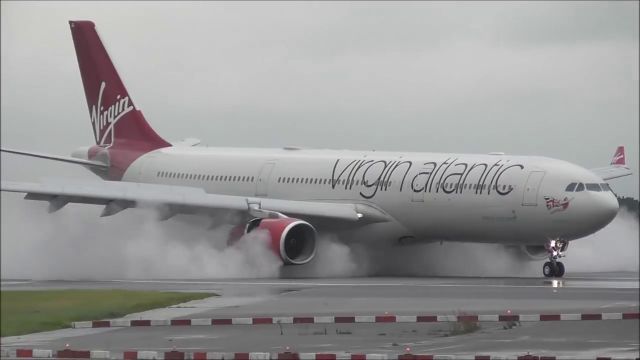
(292, 239)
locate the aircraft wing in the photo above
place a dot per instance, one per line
(171, 200)
(617, 168)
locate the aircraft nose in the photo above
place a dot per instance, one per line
(607, 208)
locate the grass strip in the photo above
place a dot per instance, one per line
(25, 312)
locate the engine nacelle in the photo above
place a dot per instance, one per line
(293, 240)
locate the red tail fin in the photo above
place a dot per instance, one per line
(618, 157)
(121, 132)
(114, 118)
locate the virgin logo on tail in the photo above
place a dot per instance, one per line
(618, 158)
(103, 121)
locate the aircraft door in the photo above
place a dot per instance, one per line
(262, 185)
(531, 188)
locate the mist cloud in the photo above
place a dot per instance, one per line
(74, 243)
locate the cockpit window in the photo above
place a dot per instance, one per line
(571, 187)
(593, 187)
(580, 187)
(605, 187)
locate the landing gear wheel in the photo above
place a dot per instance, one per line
(559, 269)
(548, 269)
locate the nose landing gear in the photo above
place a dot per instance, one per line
(556, 249)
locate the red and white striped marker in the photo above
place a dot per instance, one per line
(286, 355)
(357, 319)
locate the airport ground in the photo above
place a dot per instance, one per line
(577, 293)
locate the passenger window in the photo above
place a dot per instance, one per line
(580, 187)
(571, 187)
(593, 187)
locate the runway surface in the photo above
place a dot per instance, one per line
(578, 293)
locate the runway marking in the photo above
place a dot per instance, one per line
(3, 283)
(185, 337)
(616, 304)
(631, 285)
(443, 347)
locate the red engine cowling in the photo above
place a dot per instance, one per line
(292, 239)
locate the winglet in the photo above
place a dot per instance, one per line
(618, 157)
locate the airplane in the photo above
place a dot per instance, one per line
(535, 204)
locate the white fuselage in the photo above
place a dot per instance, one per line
(434, 196)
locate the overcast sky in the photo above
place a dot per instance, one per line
(543, 78)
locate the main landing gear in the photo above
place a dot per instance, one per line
(556, 249)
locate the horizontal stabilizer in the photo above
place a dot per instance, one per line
(67, 159)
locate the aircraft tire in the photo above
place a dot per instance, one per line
(560, 269)
(548, 269)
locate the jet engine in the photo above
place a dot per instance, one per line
(292, 239)
(533, 252)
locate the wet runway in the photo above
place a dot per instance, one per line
(578, 293)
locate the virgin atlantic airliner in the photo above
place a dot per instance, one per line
(536, 204)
